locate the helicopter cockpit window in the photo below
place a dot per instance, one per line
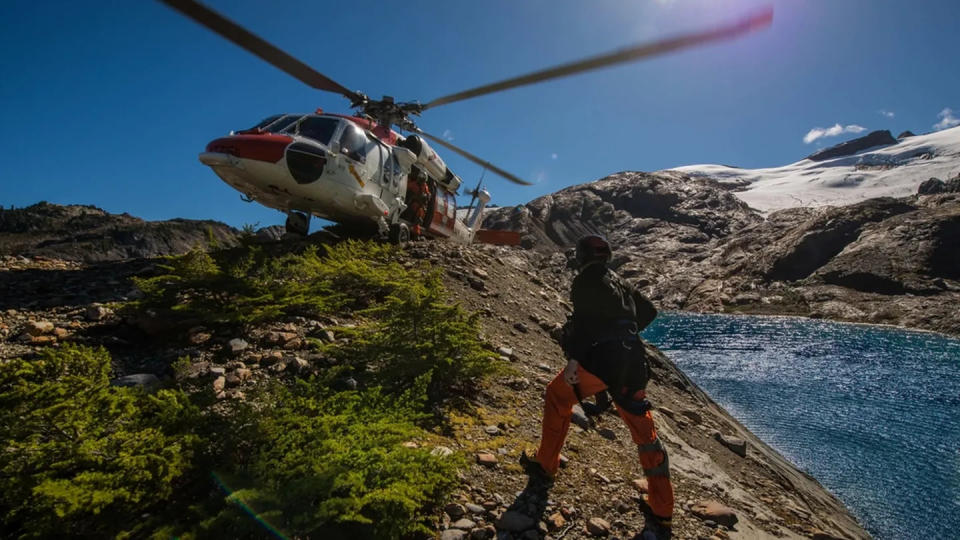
(353, 144)
(318, 128)
(266, 122)
(281, 124)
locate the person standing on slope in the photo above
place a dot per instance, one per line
(604, 352)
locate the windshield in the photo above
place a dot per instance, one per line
(276, 123)
(265, 122)
(318, 128)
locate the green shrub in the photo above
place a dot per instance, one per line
(415, 334)
(310, 461)
(80, 455)
(250, 285)
(334, 463)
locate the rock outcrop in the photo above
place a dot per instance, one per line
(694, 246)
(851, 147)
(936, 186)
(87, 233)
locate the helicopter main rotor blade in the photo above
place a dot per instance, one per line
(256, 45)
(629, 54)
(511, 177)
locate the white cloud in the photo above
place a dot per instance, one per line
(888, 114)
(553, 155)
(837, 129)
(447, 134)
(947, 118)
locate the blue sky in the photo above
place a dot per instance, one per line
(109, 102)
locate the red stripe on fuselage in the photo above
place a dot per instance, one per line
(267, 147)
(382, 132)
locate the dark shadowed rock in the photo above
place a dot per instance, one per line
(813, 243)
(931, 187)
(514, 521)
(87, 233)
(935, 186)
(906, 134)
(907, 253)
(848, 148)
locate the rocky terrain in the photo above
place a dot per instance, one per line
(87, 233)
(728, 483)
(695, 246)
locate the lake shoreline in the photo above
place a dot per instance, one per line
(853, 405)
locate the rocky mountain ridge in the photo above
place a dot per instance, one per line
(695, 246)
(87, 233)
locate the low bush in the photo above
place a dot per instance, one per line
(80, 455)
(336, 462)
(413, 334)
(249, 284)
(303, 458)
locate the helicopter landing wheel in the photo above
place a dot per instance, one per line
(399, 233)
(298, 223)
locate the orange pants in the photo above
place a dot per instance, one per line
(653, 457)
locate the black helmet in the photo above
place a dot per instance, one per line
(593, 248)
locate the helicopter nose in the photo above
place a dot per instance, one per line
(267, 147)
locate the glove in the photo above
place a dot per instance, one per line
(570, 372)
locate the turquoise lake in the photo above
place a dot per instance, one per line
(873, 413)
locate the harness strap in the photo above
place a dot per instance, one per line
(663, 469)
(632, 406)
(654, 446)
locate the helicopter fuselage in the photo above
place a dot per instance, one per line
(343, 169)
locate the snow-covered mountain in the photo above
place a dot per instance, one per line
(888, 171)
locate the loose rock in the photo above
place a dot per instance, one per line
(453, 534)
(736, 445)
(715, 511)
(237, 345)
(464, 524)
(37, 328)
(96, 312)
(487, 459)
(598, 527)
(556, 521)
(454, 510)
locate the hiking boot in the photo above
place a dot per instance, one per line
(655, 527)
(534, 469)
(654, 531)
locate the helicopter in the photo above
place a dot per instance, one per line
(355, 169)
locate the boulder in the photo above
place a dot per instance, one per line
(716, 512)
